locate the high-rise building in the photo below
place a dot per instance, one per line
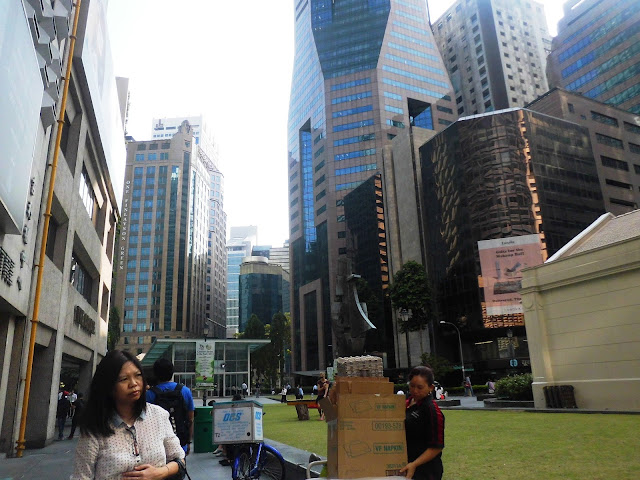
(363, 71)
(162, 262)
(216, 299)
(74, 297)
(261, 291)
(495, 52)
(502, 191)
(597, 52)
(240, 245)
(615, 139)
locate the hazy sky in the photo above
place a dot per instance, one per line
(230, 61)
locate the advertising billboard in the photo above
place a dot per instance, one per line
(20, 101)
(501, 262)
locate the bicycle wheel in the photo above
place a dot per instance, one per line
(271, 465)
(243, 464)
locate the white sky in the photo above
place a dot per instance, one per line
(230, 61)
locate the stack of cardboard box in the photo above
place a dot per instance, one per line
(365, 422)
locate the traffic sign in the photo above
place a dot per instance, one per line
(513, 362)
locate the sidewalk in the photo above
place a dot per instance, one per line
(55, 461)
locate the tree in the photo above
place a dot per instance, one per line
(441, 366)
(113, 333)
(280, 336)
(254, 329)
(410, 290)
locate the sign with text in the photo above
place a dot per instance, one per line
(205, 353)
(501, 262)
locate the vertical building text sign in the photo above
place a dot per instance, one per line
(501, 262)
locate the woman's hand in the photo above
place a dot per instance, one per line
(409, 469)
(147, 472)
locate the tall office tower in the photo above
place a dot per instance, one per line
(597, 52)
(261, 291)
(502, 191)
(216, 299)
(76, 270)
(615, 139)
(495, 52)
(161, 283)
(280, 256)
(363, 71)
(240, 245)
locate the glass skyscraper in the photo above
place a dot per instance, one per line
(597, 52)
(364, 70)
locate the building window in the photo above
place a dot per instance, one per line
(609, 141)
(614, 163)
(634, 148)
(615, 183)
(599, 117)
(571, 108)
(86, 193)
(80, 278)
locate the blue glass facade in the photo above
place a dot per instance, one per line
(354, 86)
(596, 52)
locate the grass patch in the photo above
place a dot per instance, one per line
(506, 445)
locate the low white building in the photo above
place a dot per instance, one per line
(581, 314)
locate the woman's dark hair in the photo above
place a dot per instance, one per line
(100, 405)
(424, 372)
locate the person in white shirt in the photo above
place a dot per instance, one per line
(123, 436)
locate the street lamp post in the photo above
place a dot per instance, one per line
(404, 315)
(205, 331)
(460, 345)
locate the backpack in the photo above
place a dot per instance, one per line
(173, 402)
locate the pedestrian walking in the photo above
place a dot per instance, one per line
(174, 398)
(245, 389)
(283, 395)
(64, 406)
(78, 407)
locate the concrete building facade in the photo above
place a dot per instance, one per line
(76, 274)
(216, 297)
(162, 248)
(597, 52)
(581, 316)
(495, 52)
(615, 139)
(363, 72)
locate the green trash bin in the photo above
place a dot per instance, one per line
(203, 430)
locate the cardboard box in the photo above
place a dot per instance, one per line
(237, 422)
(363, 385)
(365, 432)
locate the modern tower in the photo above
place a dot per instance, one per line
(597, 52)
(495, 52)
(240, 244)
(162, 251)
(615, 140)
(216, 298)
(363, 72)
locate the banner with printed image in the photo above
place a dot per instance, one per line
(501, 262)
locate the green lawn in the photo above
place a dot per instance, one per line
(506, 445)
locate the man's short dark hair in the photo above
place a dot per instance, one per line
(163, 370)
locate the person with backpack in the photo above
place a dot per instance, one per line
(174, 398)
(62, 411)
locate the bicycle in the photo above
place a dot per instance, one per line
(258, 460)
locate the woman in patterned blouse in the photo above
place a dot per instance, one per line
(122, 435)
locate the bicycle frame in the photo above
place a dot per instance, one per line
(256, 450)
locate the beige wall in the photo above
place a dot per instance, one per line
(583, 326)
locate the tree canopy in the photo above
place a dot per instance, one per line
(410, 291)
